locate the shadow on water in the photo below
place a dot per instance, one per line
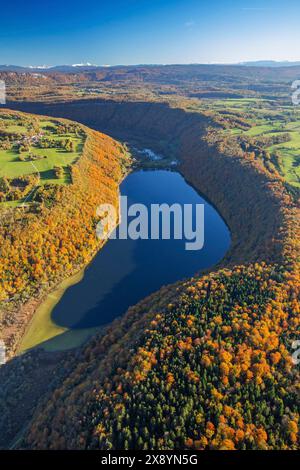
(122, 273)
(125, 271)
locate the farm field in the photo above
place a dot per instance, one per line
(36, 149)
(264, 123)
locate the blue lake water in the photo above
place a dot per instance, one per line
(125, 271)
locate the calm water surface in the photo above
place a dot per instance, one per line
(125, 271)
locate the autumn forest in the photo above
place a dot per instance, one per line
(206, 363)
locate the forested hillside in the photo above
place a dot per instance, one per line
(206, 367)
(204, 364)
(146, 81)
(52, 234)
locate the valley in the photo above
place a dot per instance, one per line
(104, 290)
(215, 348)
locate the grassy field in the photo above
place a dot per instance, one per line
(16, 128)
(290, 156)
(268, 120)
(10, 167)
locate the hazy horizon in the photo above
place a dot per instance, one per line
(87, 64)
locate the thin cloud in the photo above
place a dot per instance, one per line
(189, 24)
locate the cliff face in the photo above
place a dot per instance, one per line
(239, 190)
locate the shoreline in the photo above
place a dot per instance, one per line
(50, 330)
(43, 333)
(45, 308)
(187, 169)
(26, 325)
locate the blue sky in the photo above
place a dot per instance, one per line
(148, 31)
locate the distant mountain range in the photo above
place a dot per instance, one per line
(46, 68)
(87, 67)
(270, 63)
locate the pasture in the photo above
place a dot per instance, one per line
(38, 146)
(267, 122)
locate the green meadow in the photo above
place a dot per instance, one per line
(15, 163)
(266, 121)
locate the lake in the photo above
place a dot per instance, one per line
(126, 271)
